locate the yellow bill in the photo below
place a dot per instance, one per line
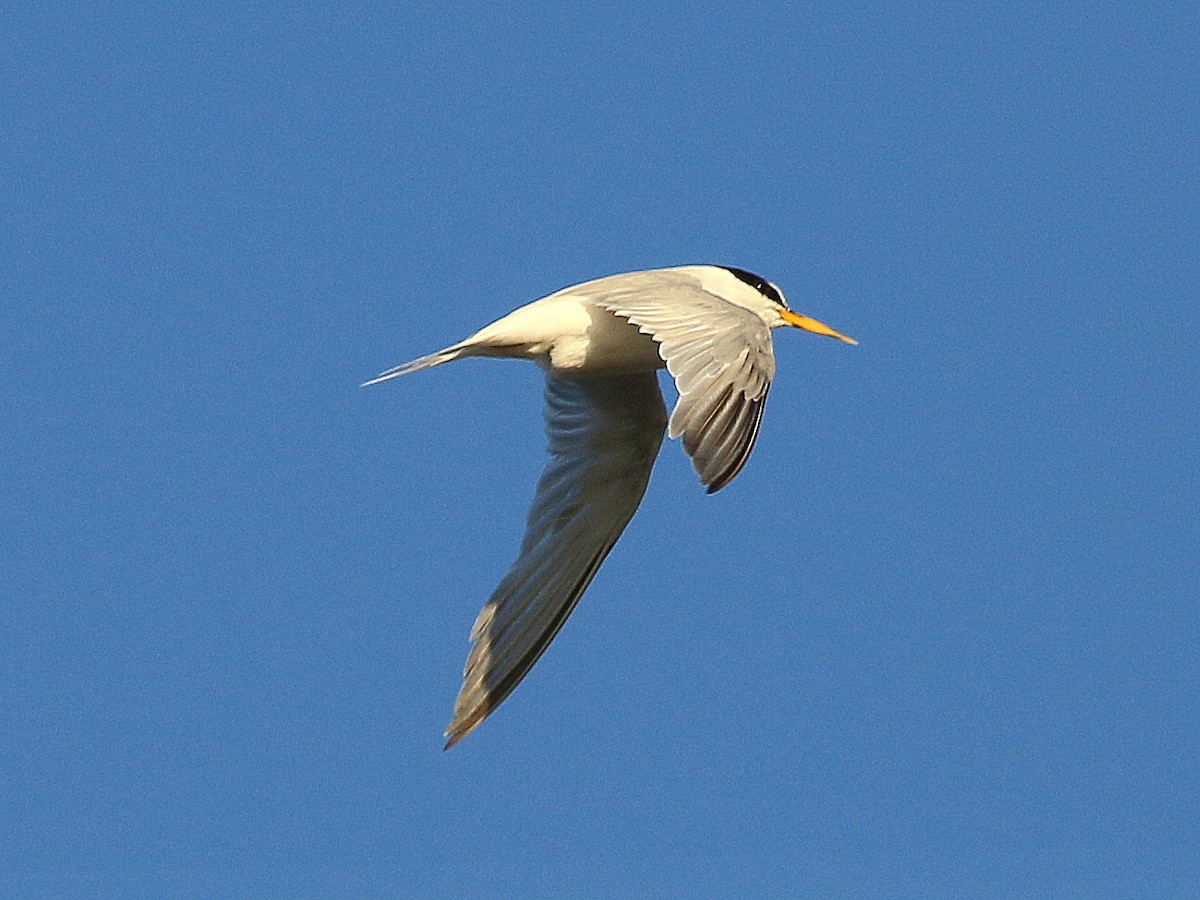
(814, 326)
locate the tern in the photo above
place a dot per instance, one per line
(601, 344)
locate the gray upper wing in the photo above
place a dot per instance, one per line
(719, 355)
(604, 433)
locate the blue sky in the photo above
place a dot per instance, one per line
(938, 639)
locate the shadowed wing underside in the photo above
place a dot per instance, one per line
(720, 357)
(604, 434)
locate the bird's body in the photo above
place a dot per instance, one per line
(601, 343)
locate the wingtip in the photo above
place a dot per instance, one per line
(457, 731)
(462, 725)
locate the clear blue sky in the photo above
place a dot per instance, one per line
(939, 638)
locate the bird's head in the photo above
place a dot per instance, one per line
(777, 312)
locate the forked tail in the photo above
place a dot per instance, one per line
(425, 362)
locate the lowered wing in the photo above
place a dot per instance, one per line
(604, 433)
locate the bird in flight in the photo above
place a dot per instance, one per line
(601, 344)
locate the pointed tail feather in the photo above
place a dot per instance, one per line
(425, 362)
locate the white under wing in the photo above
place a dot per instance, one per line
(604, 433)
(720, 357)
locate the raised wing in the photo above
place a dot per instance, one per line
(720, 357)
(604, 436)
